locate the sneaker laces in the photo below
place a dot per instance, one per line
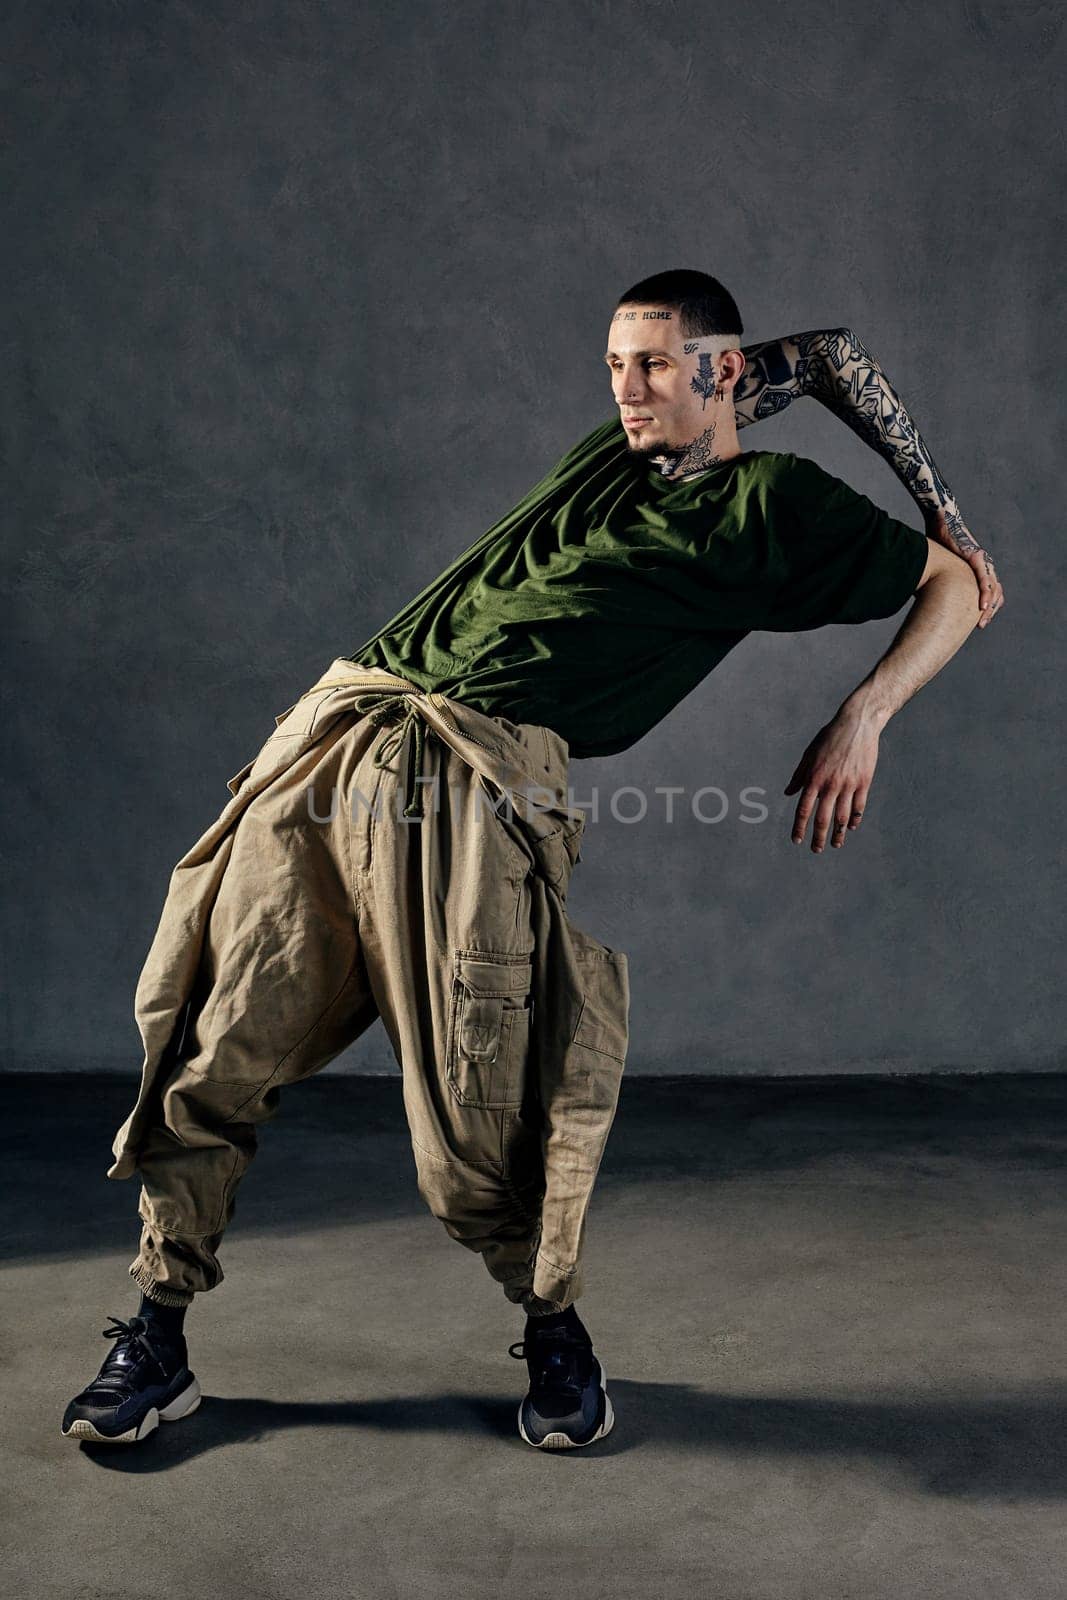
(132, 1344)
(559, 1360)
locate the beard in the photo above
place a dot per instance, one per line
(647, 451)
(663, 456)
(639, 444)
(695, 456)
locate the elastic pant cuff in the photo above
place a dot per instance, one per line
(156, 1291)
(534, 1306)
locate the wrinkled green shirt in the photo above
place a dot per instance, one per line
(608, 592)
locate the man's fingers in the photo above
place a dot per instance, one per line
(805, 806)
(996, 605)
(824, 816)
(990, 589)
(859, 805)
(836, 814)
(843, 813)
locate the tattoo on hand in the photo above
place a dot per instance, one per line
(964, 543)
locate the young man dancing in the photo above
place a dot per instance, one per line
(364, 868)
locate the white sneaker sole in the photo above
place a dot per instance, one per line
(563, 1441)
(181, 1406)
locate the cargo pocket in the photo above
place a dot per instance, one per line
(489, 1029)
(603, 978)
(603, 1019)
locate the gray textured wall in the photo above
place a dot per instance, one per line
(301, 297)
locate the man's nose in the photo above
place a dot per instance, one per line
(629, 385)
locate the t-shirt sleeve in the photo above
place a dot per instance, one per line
(840, 557)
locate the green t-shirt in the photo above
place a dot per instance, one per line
(609, 592)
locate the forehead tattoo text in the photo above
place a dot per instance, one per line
(643, 316)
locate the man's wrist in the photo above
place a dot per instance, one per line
(866, 708)
(931, 504)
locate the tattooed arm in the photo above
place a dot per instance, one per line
(834, 367)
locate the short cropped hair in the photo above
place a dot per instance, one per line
(704, 306)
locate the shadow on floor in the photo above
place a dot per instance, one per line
(1008, 1448)
(338, 1151)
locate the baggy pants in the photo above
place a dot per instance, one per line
(392, 853)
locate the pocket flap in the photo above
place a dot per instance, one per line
(484, 976)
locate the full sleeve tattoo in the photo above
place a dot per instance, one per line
(834, 367)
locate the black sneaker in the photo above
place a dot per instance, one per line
(145, 1379)
(567, 1403)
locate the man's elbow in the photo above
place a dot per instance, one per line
(954, 583)
(945, 565)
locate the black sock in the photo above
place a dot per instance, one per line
(167, 1318)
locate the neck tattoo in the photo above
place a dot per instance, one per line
(697, 456)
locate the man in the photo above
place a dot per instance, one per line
(567, 630)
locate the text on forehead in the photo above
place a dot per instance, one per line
(646, 316)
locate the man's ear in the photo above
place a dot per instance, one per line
(733, 364)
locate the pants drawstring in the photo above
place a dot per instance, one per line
(391, 743)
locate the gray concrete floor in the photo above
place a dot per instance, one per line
(830, 1313)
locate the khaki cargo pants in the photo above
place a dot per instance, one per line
(389, 853)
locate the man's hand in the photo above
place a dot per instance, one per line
(834, 775)
(948, 528)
